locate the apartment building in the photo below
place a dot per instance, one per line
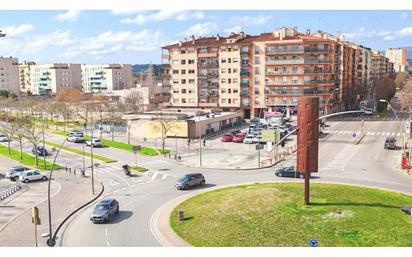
(9, 74)
(105, 78)
(25, 83)
(268, 72)
(46, 79)
(399, 57)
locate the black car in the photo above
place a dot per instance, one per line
(390, 143)
(407, 210)
(41, 151)
(105, 210)
(190, 180)
(289, 172)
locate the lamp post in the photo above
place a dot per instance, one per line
(399, 122)
(259, 134)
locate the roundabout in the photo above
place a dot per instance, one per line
(273, 215)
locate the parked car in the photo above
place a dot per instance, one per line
(105, 210)
(75, 133)
(13, 173)
(41, 151)
(76, 139)
(32, 175)
(4, 138)
(407, 210)
(289, 172)
(390, 143)
(190, 180)
(94, 142)
(227, 137)
(257, 139)
(238, 138)
(249, 139)
(368, 111)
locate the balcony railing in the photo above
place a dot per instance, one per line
(270, 51)
(209, 64)
(300, 91)
(206, 55)
(282, 103)
(211, 75)
(287, 83)
(245, 63)
(318, 71)
(244, 83)
(285, 61)
(270, 73)
(244, 72)
(317, 81)
(244, 52)
(318, 60)
(318, 50)
(207, 104)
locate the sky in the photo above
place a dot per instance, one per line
(136, 37)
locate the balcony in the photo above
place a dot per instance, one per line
(299, 91)
(318, 50)
(318, 71)
(244, 72)
(272, 73)
(271, 51)
(206, 55)
(208, 75)
(281, 103)
(209, 64)
(285, 61)
(207, 104)
(244, 93)
(286, 83)
(244, 52)
(318, 60)
(244, 83)
(317, 81)
(245, 63)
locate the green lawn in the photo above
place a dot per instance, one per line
(28, 159)
(76, 151)
(123, 146)
(139, 168)
(272, 214)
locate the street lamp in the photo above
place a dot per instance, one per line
(336, 89)
(399, 122)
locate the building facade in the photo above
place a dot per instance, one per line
(9, 75)
(269, 71)
(105, 78)
(399, 57)
(25, 83)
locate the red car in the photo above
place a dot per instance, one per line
(227, 137)
(238, 138)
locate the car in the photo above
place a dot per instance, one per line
(4, 138)
(76, 139)
(289, 172)
(368, 111)
(75, 133)
(190, 180)
(249, 139)
(238, 138)
(105, 210)
(257, 139)
(32, 175)
(390, 143)
(407, 210)
(41, 151)
(13, 173)
(94, 142)
(227, 137)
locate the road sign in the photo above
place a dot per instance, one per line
(137, 148)
(354, 135)
(313, 243)
(259, 147)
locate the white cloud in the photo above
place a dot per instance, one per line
(70, 15)
(201, 29)
(163, 15)
(389, 38)
(405, 31)
(404, 15)
(14, 31)
(117, 12)
(235, 29)
(251, 20)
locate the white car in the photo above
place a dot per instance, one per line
(257, 139)
(369, 111)
(4, 138)
(249, 139)
(32, 175)
(76, 139)
(94, 142)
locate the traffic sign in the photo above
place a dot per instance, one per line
(354, 135)
(137, 148)
(313, 243)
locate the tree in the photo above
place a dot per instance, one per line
(166, 125)
(133, 102)
(113, 116)
(401, 78)
(70, 95)
(33, 135)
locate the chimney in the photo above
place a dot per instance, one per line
(308, 32)
(193, 39)
(242, 34)
(217, 37)
(180, 43)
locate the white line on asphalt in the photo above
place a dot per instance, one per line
(107, 241)
(155, 175)
(393, 133)
(378, 133)
(113, 182)
(398, 134)
(164, 176)
(373, 133)
(123, 188)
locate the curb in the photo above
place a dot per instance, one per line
(167, 237)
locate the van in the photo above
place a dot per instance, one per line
(390, 143)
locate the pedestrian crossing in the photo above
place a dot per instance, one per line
(368, 133)
(140, 178)
(360, 118)
(342, 159)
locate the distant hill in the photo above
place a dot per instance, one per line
(409, 48)
(143, 68)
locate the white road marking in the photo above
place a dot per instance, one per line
(155, 175)
(136, 180)
(393, 133)
(373, 133)
(113, 182)
(378, 133)
(398, 134)
(106, 233)
(164, 176)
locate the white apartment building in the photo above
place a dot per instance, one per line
(399, 58)
(24, 70)
(105, 78)
(9, 75)
(51, 78)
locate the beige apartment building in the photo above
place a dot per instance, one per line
(269, 71)
(399, 57)
(106, 78)
(9, 75)
(25, 83)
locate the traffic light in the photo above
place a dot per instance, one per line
(282, 143)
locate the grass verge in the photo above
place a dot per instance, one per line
(28, 159)
(139, 168)
(273, 214)
(76, 151)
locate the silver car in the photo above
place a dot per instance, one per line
(13, 173)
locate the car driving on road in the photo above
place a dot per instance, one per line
(289, 172)
(41, 151)
(390, 143)
(13, 173)
(32, 175)
(227, 137)
(105, 210)
(190, 180)
(4, 138)
(76, 137)
(94, 142)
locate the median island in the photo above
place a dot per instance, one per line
(273, 214)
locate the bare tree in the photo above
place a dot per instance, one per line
(133, 102)
(33, 135)
(166, 125)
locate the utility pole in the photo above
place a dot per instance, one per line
(200, 144)
(44, 144)
(176, 147)
(91, 151)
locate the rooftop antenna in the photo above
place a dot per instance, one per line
(242, 27)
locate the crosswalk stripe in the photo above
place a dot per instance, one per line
(393, 133)
(155, 175)
(164, 176)
(398, 134)
(373, 133)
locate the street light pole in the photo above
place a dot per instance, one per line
(91, 151)
(399, 123)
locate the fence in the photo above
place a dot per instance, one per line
(10, 191)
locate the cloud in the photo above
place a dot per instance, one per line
(405, 32)
(15, 31)
(404, 15)
(201, 29)
(389, 38)
(70, 15)
(118, 12)
(162, 15)
(361, 33)
(251, 20)
(235, 29)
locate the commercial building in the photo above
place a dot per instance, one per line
(9, 75)
(105, 78)
(25, 83)
(46, 79)
(399, 57)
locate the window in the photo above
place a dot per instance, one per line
(284, 69)
(223, 80)
(183, 72)
(229, 60)
(190, 91)
(223, 100)
(191, 100)
(191, 81)
(183, 81)
(294, 69)
(182, 51)
(257, 71)
(235, 80)
(229, 70)
(223, 60)
(175, 91)
(229, 81)
(183, 91)
(183, 100)
(191, 71)
(175, 62)
(222, 70)
(175, 81)
(191, 61)
(257, 60)
(183, 62)
(235, 60)
(276, 68)
(229, 101)
(235, 70)
(223, 90)
(257, 81)
(235, 91)
(256, 50)
(229, 91)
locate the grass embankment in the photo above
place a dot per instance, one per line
(28, 159)
(76, 151)
(273, 215)
(123, 146)
(139, 168)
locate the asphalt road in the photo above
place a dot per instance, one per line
(339, 161)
